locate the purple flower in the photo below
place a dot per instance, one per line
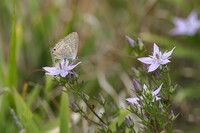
(85, 96)
(61, 69)
(133, 100)
(130, 41)
(101, 98)
(157, 59)
(105, 128)
(128, 122)
(154, 94)
(188, 26)
(74, 107)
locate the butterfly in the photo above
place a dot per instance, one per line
(67, 48)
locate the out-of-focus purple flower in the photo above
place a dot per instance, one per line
(85, 96)
(128, 122)
(74, 107)
(105, 128)
(130, 41)
(188, 26)
(157, 59)
(61, 69)
(101, 98)
(137, 85)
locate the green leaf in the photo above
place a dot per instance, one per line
(12, 80)
(49, 127)
(24, 113)
(2, 75)
(119, 120)
(64, 114)
(33, 95)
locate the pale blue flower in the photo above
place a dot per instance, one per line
(188, 26)
(61, 69)
(157, 59)
(133, 100)
(154, 93)
(155, 96)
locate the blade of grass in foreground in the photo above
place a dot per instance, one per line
(64, 114)
(12, 57)
(24, 113)
(2, 76)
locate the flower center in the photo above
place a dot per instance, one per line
(60, 66)
(157, 57)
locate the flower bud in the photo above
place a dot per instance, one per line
(137, 85)
(140, 43)
(104, 127)
(171, 90)
(130, 41)
(128, 122)
(101, 99)
(74, 107)
(85, 96)
(172, 116)
(148, 94)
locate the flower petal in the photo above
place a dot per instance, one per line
(157, 91)
(153, 67)
(155, 50)
(146, 60)
(164, 61)
(51, 70)
(64, 62)
(193, 16)
(156, 99)
(52, 73)
(166, 55)
(178, 21)
(67, 68)
(63, 73)
(132, 100)
(144, 87)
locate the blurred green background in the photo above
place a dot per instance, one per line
(29, 29)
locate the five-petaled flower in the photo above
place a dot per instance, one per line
(188, 26)
(62, 68)
(157, 59)
(155, 96)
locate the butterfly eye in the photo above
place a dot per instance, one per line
(53, 50)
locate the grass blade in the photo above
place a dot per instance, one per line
(12, 57)
(64, 114)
